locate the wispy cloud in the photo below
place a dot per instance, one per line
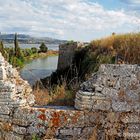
(65, 19)
(133, 5)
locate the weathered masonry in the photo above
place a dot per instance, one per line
(67, 52)
(108, 106)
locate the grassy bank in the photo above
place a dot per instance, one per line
(40, 55)
(19, 63)
(35, 56)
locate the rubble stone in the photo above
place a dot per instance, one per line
(115, 87)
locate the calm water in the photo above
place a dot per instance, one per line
(39, 68)
(23, 46)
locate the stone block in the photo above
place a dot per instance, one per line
(36, 129)
(19, 129)
(5, 118)
(13, 136)
(132, 131)
(20, 122)
(7, 86)
(118, 106)
(6, 95)
(101, 105)
(87, 132)
(5, 126)
(70, 132)
(2, 73)
(5, 110)
(131, 118)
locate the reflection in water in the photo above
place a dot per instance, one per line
(39, 68)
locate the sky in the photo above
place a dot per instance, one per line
(81, 20)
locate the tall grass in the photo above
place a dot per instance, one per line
(126, 46)
(58, 95)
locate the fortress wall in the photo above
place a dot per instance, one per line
(102, 111)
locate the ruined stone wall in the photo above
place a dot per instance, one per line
(114, 89)
(117, 116)
(66, 53)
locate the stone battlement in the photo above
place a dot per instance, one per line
(107, 105)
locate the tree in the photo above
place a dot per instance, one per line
(27, 52)
(17, 48)
(43, 48)
(34, 50)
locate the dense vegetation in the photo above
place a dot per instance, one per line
(119, 49)
(17, 56)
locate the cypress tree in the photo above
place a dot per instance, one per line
(17, 48)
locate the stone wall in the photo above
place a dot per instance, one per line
(70, 124)
(111, 116)
(113, 87)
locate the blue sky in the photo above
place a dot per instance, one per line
(81, 20)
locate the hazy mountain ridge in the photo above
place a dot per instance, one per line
(23, 38)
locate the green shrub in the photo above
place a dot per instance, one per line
(34, 50)
(27, 52)
(16, 62)
(34, 137)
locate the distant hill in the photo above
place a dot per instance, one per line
(23, 38)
